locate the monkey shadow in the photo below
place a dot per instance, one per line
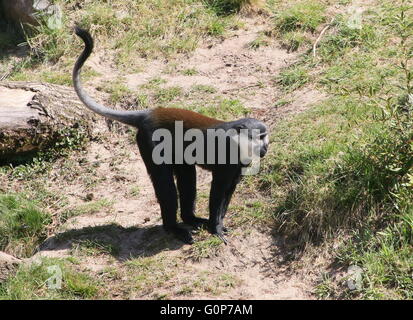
(120, 242)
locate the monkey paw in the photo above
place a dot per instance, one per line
(224, 240)
(219, 232)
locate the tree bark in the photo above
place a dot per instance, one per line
(35, 115)
(8, 265)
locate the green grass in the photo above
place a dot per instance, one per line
(345, 166)
(134, 191)
(163, 95)
(251, 212)
(153, 83)
(304, 15)
(207, 248)
(94, 247)
(260, 41)
(87, 208)
(345, 38)
(165, 28)
(202, 88)
(118, 91)
(149, 273)
(189, 72)
(325, 288)
(293, 78)
(293, 40)
(295, 23)
(225, 109)
(226, 7)
(22, 225)
(386, 258)
(31, 282)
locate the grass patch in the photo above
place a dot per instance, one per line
(345, 37)
(121, 94)
(202, 88)
(296, 22)
(293, 77)
(87, 208)
(304, 15)
(165, 28)
(293, 40)
(345, 166)
(386, 258)
(34, 281)
(118, 91)
(260, 41)
(207, 248)
(150, 273)
(226, 109)
(49, 74)
(163, 95)
(134, 191)
(251, 212)
(22, 225)
(227, 7)
(190, 72)
(94, 247)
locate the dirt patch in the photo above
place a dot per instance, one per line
(297, 102)
(232, 67)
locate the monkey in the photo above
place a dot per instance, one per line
(225, 176)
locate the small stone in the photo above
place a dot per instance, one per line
(354, 277)
(89, 197)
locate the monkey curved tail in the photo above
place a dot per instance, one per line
(132, 118)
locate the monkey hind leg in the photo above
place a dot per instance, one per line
(166, 194)
(186, 181)
(165, 191)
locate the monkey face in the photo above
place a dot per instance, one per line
(252, 139)
(257, 134)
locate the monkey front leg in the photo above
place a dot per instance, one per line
(219, 197)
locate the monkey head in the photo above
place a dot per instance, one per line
(254, 132)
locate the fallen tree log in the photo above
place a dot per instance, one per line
(8, 265)
(33, 116)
